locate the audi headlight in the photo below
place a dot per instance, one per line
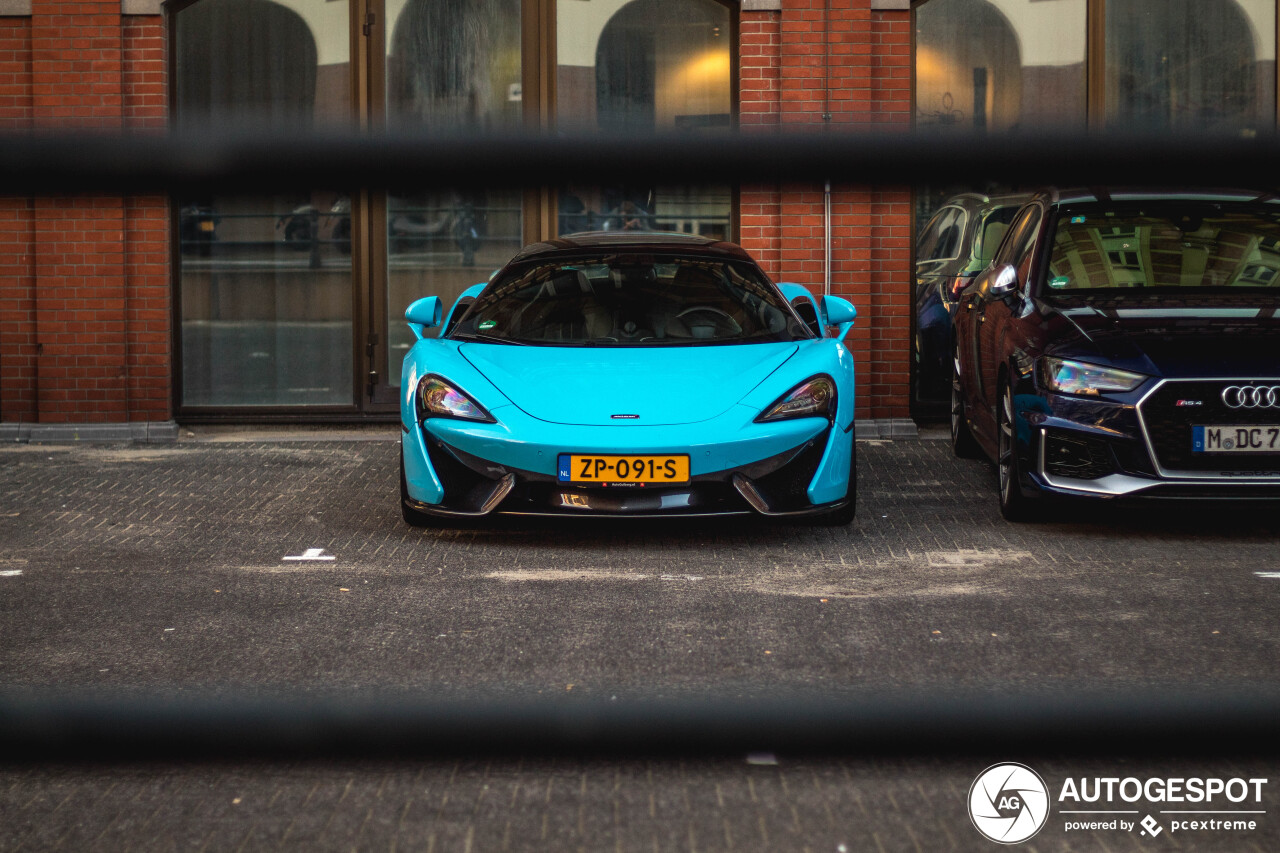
(1076, 377)
(438, 399)
(814, 397)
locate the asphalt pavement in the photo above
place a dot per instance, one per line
(168, 568)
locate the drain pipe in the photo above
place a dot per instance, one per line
(826, 238)
(826, 122)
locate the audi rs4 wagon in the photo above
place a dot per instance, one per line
(625, 375)
(1125, 345)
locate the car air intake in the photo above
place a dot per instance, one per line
(1077, 457)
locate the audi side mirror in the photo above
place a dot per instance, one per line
(1003, 282)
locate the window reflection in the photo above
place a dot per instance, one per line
(1194, 64)
(1000, 65)
(264, 282)
(452, 65)
(639, 66)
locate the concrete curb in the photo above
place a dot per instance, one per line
(141, 432)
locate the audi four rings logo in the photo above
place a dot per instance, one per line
(1251, 396)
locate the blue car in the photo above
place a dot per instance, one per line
(629, 375)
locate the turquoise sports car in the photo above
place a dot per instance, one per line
(629, 375)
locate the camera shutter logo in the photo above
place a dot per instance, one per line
(1008, 803)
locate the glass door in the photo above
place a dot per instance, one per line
(447, 67)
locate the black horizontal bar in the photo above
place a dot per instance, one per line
(254, 162)
(78, 727)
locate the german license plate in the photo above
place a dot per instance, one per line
(610, 469)
(1236, 438)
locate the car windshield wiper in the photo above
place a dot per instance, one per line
(485, 339)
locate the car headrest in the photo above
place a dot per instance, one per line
(567, 283)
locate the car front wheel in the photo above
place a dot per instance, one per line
(1014, 505)
(963, 444)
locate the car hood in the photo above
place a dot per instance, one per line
(658, 385)
(1226, 336)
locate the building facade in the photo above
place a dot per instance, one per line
(122, 316)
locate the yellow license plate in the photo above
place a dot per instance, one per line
(206, 225)
(668, 470)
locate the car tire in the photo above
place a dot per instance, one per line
(963, 444)
(1014, 505)
(411, 516)
(842, 516)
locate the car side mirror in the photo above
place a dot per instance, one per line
(838, 312)
(425, 313)
(1003, 282)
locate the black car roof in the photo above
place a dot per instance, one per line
(640, 241)
(974, 201)
(1095, 195)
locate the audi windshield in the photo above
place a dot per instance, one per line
(1187, 249)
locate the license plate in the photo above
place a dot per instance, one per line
(206, 225)
(1236, 438)
(668, 470)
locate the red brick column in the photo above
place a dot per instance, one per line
(148, 314)
(759, 109)
(84, 281)
(80, 293)
(844, 68)
(17, 258)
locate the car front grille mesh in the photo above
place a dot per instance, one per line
(1176, 407)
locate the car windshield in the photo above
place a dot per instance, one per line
(630, 299)
(1181, 248)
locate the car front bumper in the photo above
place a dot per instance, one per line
(462, 468)
(1133, 448)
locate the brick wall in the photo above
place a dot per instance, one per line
(787, 82)
(85, 285)
(84, 281)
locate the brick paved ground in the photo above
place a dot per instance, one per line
(162, 568)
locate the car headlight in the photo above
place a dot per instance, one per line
(1090, 380)
(438, 399)
(814, 397)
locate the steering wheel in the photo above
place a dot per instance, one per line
(711, 309)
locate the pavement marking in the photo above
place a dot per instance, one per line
(1271, 575)
(10, 573)
(584, 575)
(312, 554)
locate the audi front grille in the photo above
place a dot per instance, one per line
(1171, 411)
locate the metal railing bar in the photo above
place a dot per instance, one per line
(249, 162)
(80, 726)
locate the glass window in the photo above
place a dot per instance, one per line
(1015, 246)
(1180, 246)
(1195, 64)
(1000, 65)
(639, 66)
(941, 240)
(451, 66)
(264, 283)
(987, 240)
